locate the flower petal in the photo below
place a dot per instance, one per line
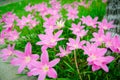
(94, 68)
(58, 33)
(21, 68)
(54, 62)
(105, 68)
(52, 73)
(42, 76)
(16, 62)
(39, 43)
(19, 53)
(35, 56)
(33, 72)
(44, 56)
(28, 49)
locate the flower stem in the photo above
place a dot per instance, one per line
(77, 65)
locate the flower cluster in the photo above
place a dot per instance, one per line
(9, 33)
(27, 21)
(95, 48)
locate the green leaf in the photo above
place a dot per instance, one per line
(69, 66)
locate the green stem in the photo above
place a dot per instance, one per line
(117, 58)
(77, 65)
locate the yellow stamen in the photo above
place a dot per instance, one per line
(27, 59)
(45, 68)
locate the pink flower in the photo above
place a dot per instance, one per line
(86, 5)
(116, 44)
(89, 21)
(67, 6)
(33, 23)
(21, 23)
(98, 37)
(50, 23)
(63, 52)
(105, 24)
(104, 1)
(54, 13)
(75, 44)
(88, 48)
(26, 59)
(29, 8)
(49, 40)
(108, 40)
(43, 9)
(7, 52)
(2, 38)
(27, 21)
(9, 25)
(55, 4)
(44, 67)
(9, 19)
(8, 34)
(72, 13)
(13, 35)
(78, 30)
(98, 60)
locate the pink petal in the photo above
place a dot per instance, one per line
(33, 72)
(78, 39)
(44, 56)
(39, 43)
(60, 39)
(19, 53)
(41, 36)
(34, 64)
(61, 49)
(28, 49)
(105, 68)
(54, 62)
(58, 33)
(16, 62)
(35, 56)
(94, 68)
(52, 73)
(42, 76)
(109, 59)
(102, 52)
(21, 68)
(44, 48)
(96, 18)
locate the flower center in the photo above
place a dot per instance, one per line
(51, 27)
(104, 27)
(52, 40)
(93, 57)
(75, 46)
(91, 23)
(65, 52)
(27, 59)
(45, 68)
(15, 37)
(100, 39)
(77, 30)
(9, 52)
(109, 44)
